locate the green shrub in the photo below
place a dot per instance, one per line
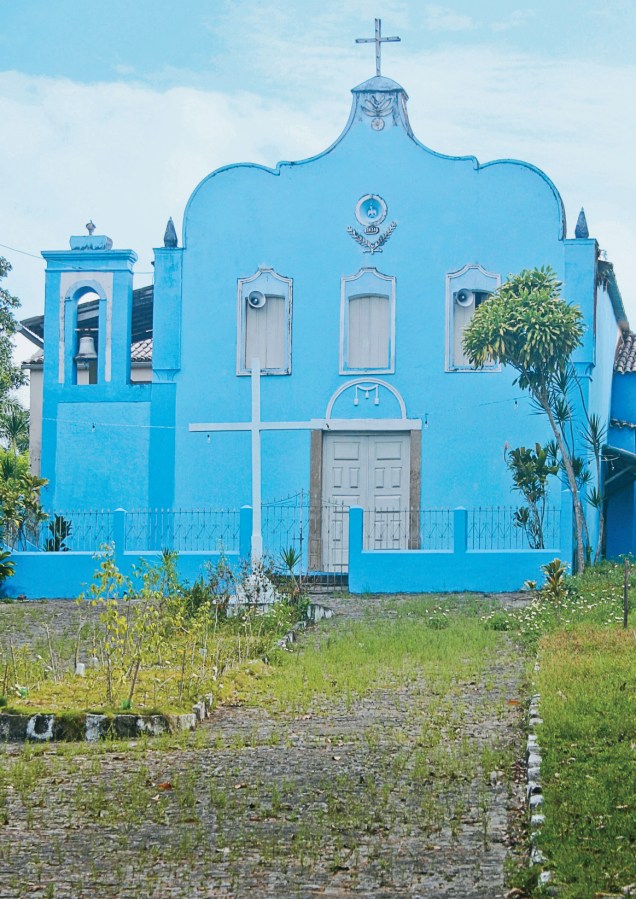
(7, 566)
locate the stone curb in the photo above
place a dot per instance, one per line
(315, 612)
(41, 728)
(16, 728)
(534, 791)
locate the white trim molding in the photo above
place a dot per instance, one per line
(366, 385)
(269, 283)
(314, 424)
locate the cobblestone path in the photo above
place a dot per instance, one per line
(352, 801)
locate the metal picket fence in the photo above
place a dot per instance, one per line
(318, 533)
(75, 530)
(183, 530)
(427, 529)
(495, 528)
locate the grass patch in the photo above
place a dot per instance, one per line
(588, 703)
(142, 646)
(587, 683)
(594, 598)
(187, 667)
(442, 643)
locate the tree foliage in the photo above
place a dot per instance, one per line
(10, 375)
(530, 468)
(20, 510)
(528, 326)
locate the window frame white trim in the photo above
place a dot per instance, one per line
(242, 364)
(345, 295)
(448, 355)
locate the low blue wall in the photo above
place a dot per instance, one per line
(459, 569)
(64, 575)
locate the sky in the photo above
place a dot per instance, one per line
(115, 111)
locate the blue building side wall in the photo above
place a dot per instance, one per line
(621, 533)
(624, 407)
(102, 452)
(607, 334)
(596, 378)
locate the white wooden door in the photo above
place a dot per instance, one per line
(368, 470)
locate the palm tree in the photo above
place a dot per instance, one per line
(14, 428)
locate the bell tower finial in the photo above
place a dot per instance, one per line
(170, 236)
(581, 231)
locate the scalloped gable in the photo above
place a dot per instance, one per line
(374, 135)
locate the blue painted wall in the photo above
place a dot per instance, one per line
(458, 569)
(64, 575)
(449, 212)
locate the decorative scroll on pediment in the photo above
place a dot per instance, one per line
(380, 103)
(366, 398)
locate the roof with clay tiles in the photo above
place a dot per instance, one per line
(625, 361)
(140, 351)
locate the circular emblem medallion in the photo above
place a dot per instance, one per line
(371, 209)
(377, 124)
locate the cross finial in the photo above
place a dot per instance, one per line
(378, 40)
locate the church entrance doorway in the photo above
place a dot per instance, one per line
(368, 470)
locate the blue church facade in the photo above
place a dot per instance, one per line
(348, 278)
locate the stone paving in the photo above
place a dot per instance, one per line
(286, 805)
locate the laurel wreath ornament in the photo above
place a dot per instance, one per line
(377, 105)
(372, 246)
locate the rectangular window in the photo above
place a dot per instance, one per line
(368, 332)
(264, 323)
(367, 323)
(466, 290)
(463, 312)
(265, 334)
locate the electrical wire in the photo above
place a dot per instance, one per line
(23, 252)
(40, 259)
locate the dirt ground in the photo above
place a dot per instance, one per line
(263, 805)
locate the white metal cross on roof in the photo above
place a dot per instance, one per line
(378, 40)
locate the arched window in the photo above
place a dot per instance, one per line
(466, 290)
(264, 323)
(86, 338)
(367, 323)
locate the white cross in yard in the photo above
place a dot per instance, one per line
(256, 426)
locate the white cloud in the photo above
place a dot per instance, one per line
(128, 156)
(124, 155)
(495, 104)
(439, 18)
